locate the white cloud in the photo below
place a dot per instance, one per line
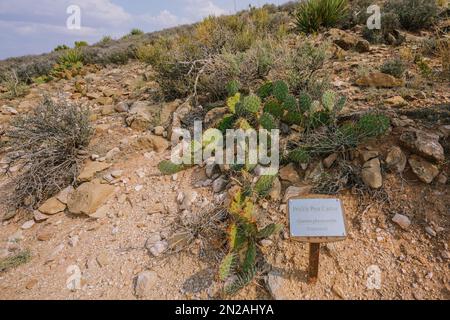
(203, 8)
(165, 19)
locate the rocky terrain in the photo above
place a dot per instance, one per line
(125, 231)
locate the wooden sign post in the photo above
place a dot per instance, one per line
(316, 220)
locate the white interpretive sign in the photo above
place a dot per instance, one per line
(317, 220)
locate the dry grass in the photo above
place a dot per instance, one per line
(45, 148)
(14, 261)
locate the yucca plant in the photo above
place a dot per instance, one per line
(243, 236)
(312, 15)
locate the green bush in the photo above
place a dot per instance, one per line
(414, 14)
(312, 15)
(136, 32)
(61, 47)
(395, 67)
(80, 44)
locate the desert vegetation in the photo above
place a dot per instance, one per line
(300, 68)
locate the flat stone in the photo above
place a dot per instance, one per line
(52, 206)
(145, 282)
(64, 194)
(380, 80)
(425, 171)
(294, 191)
(88, 197)
(152, 142)
(396, 101)
(28, 225)
(90, 169)
(39, 216)
(402, 220)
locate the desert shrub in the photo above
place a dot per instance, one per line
(46, 145)
(15, 260)
(443, 48)
(299, 65)
(71, 57)
(14, 88)
(312, 15)
(414, 14)
(340, 138)
(357, 13)
(61, 47)
(136, 32)
(105, 40)
(395, 67)
(80, 44)
(389, 24)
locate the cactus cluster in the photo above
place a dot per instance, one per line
(243, 235)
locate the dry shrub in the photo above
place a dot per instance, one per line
(46, 147)
(443, 48)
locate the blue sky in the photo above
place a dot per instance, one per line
(37, 26)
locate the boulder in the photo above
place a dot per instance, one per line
(396, 159)
(396, 101)
(88, 197)
(424, 170)
(371, 174)
(379, 80)
(214, 116)
(294, 191)
(289, 173)
(152, 142)
(424, 144)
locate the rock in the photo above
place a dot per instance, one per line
(9, 111)
(52, 206)
(425, 171)
(103, 101)
(442, 178)
(88, 197)
(73, 241)
(64, 194)
(121, 107)
(378, 79)
(31, 284)
(362, 46)
(329, 161)
(276, 284)
(28, 225)
(212, 169)
(338, 291)
(214, 116)
(430, 231)
(288, 173)
(188, 199)
(39, 217)
(107, 110)
(219, 184)
(44, 235)
(424, 144)
(116, 173)
(90, 169)
(144, 115)
(102, 259)
(343, 39)
(396, 159)
(152, 142)
(144, 283)
(314, 171)
(402, 220)
(294, 191)
(371, 174)
(111, 154)
(159, 130)
(159, 248)
(9, 215)
(100, 212)
(445, 255)
(275, 192)
(396, 101)
(367, 155)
